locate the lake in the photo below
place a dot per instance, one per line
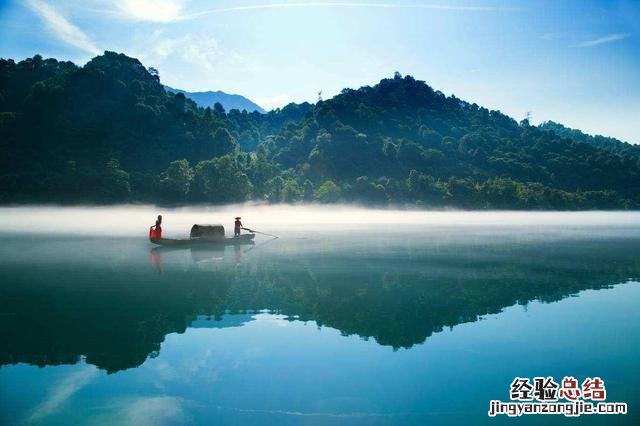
(351, 317)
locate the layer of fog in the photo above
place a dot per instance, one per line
(135, 220)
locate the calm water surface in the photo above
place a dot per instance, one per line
(350, 317)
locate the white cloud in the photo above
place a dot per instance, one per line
(61, 393)
(604, 39)
(155, 410)
(62, 28)
(202, 52)
(151, 10)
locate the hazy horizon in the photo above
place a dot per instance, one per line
(296, 220)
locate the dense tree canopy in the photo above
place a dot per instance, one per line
(612, 144)
(412, 143)
(109, 132)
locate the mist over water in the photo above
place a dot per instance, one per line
(135, 220)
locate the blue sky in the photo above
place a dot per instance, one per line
(576, 62)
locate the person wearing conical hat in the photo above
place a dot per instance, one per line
(237, 227)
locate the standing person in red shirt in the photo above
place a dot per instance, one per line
(237, 227)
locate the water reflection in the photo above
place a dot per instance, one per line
(114, 305)
(198, 254)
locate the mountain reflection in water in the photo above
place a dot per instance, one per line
(113, 301)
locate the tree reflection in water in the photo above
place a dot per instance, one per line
(116, 313)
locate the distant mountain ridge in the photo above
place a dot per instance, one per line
(227, 100)
(604, 142)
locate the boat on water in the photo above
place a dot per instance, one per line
(205, 235)
(242, 239)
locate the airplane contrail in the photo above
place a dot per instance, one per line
(195, 15)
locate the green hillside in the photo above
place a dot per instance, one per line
(109, 132)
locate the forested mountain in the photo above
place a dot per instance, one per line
(403, 140)
(612, 144)
(228, 101)
(110, 132)
(104, 132)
